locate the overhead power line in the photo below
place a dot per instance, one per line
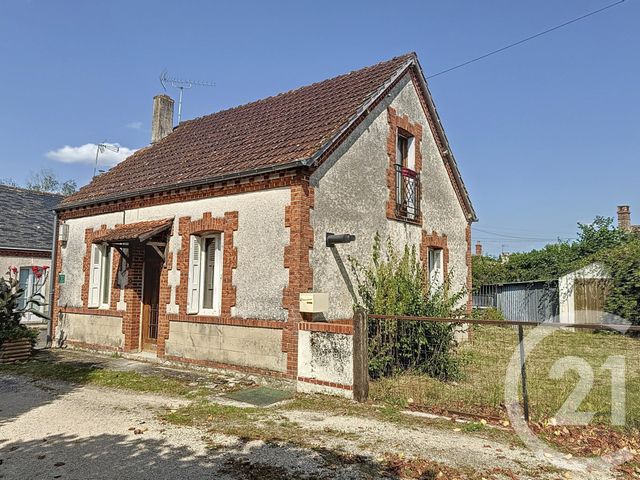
(508, 241)
(516, 237)
(520, 42)
(522, 231)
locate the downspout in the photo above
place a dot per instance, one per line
(52, 284)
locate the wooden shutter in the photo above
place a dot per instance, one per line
(94, 276)
(193, 295)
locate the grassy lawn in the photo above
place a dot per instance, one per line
(89, 374)
(485, 359)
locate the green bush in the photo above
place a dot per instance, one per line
(623, 294)
(395, 283)
(487, 314)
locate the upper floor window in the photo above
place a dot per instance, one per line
(100, 276)
(205, 274)
(407, 178)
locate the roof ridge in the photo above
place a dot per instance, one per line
(301, 87)
(30, 191)
(282, 129)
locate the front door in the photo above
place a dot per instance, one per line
(150, 298)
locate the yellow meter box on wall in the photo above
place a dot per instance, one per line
(314, 302)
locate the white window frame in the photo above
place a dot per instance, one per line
(197, 272)
(436, 267)
(100, 272)
(30, 288)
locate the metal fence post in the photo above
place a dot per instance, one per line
(360, 356)
(523, 374)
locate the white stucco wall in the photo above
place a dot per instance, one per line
(566, 290)
(244, 346)
(327, 357)
(351, 197)
(260, 275)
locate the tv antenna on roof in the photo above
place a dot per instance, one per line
(181, 85)
(100, 148)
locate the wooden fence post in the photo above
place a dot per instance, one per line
(360, 356)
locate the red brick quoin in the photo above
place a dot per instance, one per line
(297, 218)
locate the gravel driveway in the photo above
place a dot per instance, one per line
(53, 430)
(58, 430)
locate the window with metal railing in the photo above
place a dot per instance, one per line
(407, 193)
(407, 178)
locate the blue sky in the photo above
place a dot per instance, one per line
(546, 134)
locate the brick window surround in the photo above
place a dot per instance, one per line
(226, 225)
(132, 290)
(401, 124)
(430, 241)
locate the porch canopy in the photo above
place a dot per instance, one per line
(121, 236)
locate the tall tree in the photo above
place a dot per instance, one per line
(46, 180)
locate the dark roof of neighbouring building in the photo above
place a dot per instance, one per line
(26, 218)
(287, 130)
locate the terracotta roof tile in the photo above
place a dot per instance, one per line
(274, 131)
(131, 231)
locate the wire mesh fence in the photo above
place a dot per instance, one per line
(573, 373)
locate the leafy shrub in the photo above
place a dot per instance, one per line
(395, 283)
(623, 294)
(487, 314)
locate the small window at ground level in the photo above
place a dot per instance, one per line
(436, 268)
(205, 274)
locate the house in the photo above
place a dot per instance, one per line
(198, 247)
(624, 220)
(26, 239)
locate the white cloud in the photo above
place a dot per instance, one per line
(134, 125)
(87, 154)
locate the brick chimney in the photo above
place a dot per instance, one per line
(478, 249)
(162, 121)
(624, 218)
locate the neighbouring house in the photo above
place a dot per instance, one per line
(26, 240)
(624, 220)
(198, 247)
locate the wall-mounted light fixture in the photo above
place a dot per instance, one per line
(334, 238)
